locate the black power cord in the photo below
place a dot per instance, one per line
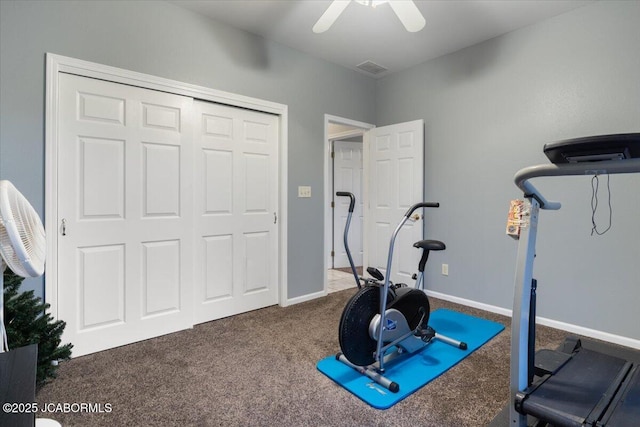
(595, 183)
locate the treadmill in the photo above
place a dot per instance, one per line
(581, 383)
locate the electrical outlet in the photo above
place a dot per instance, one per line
(445, 269)
(304, 191)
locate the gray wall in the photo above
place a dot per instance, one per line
(488, 111)
(162, 39)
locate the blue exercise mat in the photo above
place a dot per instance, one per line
(415, 371)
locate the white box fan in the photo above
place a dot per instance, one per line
(22, 242)
(22, 249)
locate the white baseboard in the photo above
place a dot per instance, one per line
(304, 298)
(470, 303)
(591, 333)
(574, 329)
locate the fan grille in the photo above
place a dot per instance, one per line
(22, 236)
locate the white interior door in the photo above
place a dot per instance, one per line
(395, 162)
(236, 189)
(125, 215)
(347, 176)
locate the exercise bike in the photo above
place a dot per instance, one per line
(403, 312)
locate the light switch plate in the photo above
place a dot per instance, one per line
(304, 191)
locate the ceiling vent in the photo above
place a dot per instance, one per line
(371, 67)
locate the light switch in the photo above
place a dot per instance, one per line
(304, 191)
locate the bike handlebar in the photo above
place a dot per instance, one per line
(421, 205)
(349, 195)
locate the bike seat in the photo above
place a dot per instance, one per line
(430, 245)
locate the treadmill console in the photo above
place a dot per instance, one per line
(594, 148)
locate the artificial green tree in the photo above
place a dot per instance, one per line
(27, 322)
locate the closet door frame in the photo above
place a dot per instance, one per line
(56, 64)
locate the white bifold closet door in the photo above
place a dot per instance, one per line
(159, 230)
(125, 213)
(236, 189)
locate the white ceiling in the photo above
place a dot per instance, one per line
(366, 34)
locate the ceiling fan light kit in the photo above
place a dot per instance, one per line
(406, 11)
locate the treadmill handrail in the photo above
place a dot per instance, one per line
(523, 176)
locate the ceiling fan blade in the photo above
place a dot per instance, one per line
(330, 15)
(408, 14)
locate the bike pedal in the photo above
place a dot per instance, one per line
(427, 334)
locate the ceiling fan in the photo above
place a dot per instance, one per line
(406, 10)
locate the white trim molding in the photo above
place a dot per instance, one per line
(307, 297)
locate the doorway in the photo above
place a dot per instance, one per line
(392, 180)
(344, 161)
